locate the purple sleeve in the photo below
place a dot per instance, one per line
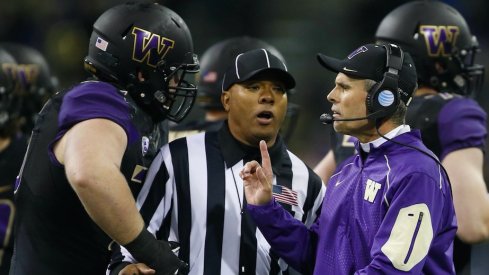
(461, 124)
(415, 222)
(287, 236)
(6, 222)
(94, 99)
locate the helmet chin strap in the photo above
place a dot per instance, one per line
(141, 77)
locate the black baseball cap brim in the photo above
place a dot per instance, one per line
(341, 66)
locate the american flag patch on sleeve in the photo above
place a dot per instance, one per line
(284, 195)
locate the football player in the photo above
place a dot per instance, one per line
(92, 144)
(452, 124)
(12, 150)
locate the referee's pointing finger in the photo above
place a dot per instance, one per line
(265, 160)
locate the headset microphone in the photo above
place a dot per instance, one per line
(329, 119)
(326, 119)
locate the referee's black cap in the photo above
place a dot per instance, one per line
(255, 63)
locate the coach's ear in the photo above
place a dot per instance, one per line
(225, 96)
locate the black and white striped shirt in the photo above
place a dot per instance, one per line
(193, 195)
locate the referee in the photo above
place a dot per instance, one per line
(193, 194)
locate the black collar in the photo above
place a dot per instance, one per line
(235, 151)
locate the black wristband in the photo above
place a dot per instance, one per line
(155, 253)
(142, 247)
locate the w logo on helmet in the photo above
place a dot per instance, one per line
(439, 39)
(10, 70)
(150, 47)
(9, 74)
(27, 74)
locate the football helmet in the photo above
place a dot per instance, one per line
(146, 49)
(10, 101)
(214, 63)
(34, 80)
(34, 74)
(440, 42)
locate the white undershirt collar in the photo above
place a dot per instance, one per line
(392, 134)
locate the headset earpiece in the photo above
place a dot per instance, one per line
(382, 101)
(384, 98)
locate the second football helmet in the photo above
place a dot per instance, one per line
(146, 49)
(10, 101)
(34, 74)
(34, 81)
(440, 42)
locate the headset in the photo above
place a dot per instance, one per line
(383, 98)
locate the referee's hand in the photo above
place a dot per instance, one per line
(257, 179)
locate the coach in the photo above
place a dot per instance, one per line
(388, 208)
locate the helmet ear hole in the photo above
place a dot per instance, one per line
(141, 77)
(440, 67)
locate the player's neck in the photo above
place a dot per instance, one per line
(424, 91)
(215, 115)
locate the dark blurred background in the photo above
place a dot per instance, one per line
(60, 29)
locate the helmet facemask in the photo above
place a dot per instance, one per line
(181, 90)
(470, 72)
(168, 91)
(456, 73)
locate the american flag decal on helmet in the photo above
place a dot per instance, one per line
(101, 44)
(285, 195)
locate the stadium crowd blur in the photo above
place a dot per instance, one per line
(60, 30)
